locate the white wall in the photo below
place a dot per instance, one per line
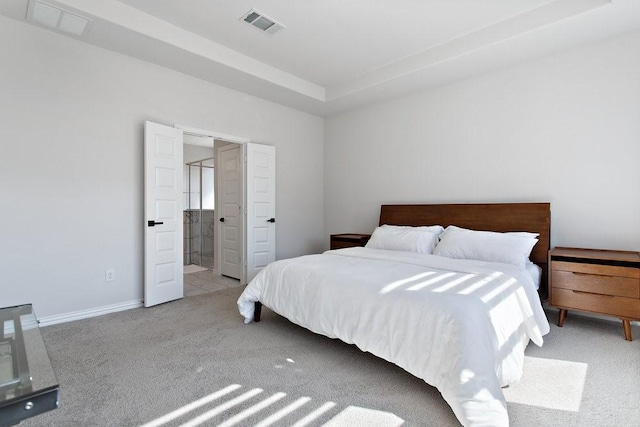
(71, 117)
(563, 129)
(192, 153)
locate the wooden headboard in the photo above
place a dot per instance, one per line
(503, 217)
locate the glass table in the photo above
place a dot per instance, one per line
(28, 385)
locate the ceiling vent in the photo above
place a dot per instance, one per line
(50, 16)
(261, 22)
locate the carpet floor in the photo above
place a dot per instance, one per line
(193, 362)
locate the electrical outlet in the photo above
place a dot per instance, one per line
(109, 275)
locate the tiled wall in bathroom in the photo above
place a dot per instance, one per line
(192, 253)
(207, 236)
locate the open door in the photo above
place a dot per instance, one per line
(163, 187)
(261, 207)
(231, 225)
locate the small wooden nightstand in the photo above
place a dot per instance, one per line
(339, 241)
(599, 281)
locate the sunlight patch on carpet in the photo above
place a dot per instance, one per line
(549, 383)
(353, 415)
(192, 406)
(234, 406)
(222, 408)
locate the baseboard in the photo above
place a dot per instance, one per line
(114, 308)
(85, 314)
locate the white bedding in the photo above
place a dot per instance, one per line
(460, 325)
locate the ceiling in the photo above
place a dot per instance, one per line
(336, 55)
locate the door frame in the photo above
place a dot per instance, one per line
(242, 141)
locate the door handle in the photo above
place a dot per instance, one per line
(271, 220)
(221, 219)
(153, 223)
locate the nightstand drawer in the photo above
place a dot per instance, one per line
(596, 283)
(597, 303)
(597, 269)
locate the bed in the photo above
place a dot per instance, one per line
(455, 314)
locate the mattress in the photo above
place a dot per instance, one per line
(460, 325)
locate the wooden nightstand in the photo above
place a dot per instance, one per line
(599, 281)
(339, 241)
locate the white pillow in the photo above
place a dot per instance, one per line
(523, 234)
(509, 248)
(411, 239)
(435, 229)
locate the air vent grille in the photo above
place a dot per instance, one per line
(50, 16)
(261, 22)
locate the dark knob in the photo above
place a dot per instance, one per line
(221, 219)
(153, 223)
(271, 220)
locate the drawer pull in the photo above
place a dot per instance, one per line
(577, 273)
(593, 293)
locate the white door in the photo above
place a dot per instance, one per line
(163, 181)
(230, 211)
(261, 207)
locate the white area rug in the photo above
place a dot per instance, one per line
(192, 268)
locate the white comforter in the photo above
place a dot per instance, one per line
(460, 325)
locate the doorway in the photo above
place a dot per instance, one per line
(164, 197)
(201, 272)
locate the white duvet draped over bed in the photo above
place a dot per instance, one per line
(460, 325)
